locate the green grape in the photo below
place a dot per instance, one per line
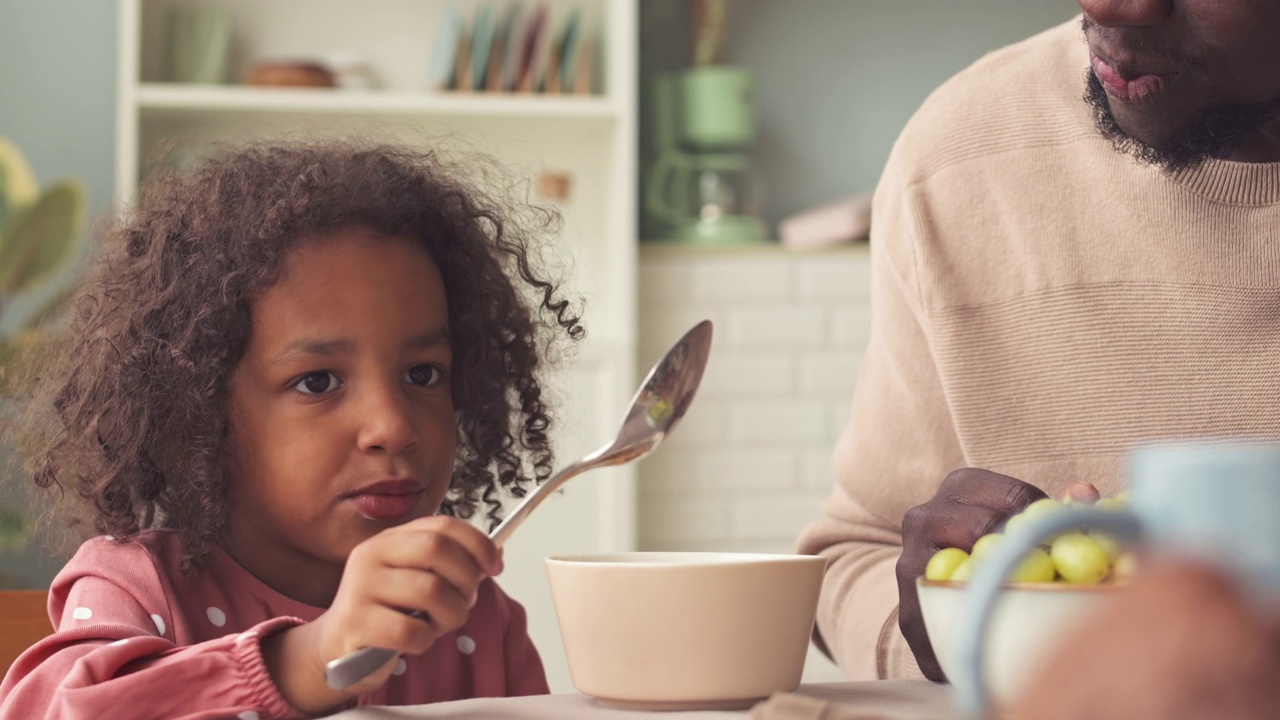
(985, 544)
(1036, 567)
(1039, 508)
(1122, 496)
(963, 571)
(943, 564)
(1109, 545)
(1079, 559)
(1111, 504)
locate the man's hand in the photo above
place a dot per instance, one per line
(970, 504)
(1180, 643)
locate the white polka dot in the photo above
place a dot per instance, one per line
(248, 715)
(401, 666)
(216, 616)
(118, 643)
(159, 621)
(466, 645)
(82, 613)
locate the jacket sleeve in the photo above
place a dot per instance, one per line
(109, 655)
(898, 445)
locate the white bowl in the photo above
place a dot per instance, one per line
(685, 631)
(1027, 622)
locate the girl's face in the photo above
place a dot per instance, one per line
(341, 412)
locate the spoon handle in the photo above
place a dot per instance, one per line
(533, 500)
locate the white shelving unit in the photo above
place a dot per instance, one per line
(591, 138)
(161, 98)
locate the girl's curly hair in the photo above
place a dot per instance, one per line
(135, 402)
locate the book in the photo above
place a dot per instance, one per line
(517, 23)
(533, 52)
(568, 49)
(462, 77)
(498, 49)
(445, 51)
(585, 68)
(481, 40)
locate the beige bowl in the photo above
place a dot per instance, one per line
(1027, 622)
(683, 631)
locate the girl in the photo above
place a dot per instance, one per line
(291, 373)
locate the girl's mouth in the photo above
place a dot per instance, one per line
(387, 499)
(386, 506)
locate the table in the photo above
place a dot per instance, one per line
(884, 700)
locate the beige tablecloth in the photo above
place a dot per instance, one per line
(888, 700)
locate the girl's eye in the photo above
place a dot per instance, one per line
(424, 375)
(317, 383)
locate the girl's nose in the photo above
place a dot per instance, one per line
(1117, 13)
(386, 424)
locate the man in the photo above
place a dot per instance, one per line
(1076, 249)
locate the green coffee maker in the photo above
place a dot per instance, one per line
(702, 188)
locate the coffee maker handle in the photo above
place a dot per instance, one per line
(668, 184)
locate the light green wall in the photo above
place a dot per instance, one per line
(838, 79)
(57, 94)
(57, 102)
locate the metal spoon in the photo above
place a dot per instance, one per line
(657, 407)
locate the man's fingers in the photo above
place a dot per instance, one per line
(911, 622)
(974, 486)
(930, 528)
(1080, 492)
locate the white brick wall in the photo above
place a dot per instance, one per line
(748, 465)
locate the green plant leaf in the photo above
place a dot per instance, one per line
(18, 186)
(44, 239)
(13, 528)
(52, 309)
(8, 354)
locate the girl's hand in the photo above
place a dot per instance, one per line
(433, 565)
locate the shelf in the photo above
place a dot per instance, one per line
(663, 248)
(179, 99)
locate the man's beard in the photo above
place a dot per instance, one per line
(1215, 133)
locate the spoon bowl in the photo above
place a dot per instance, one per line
(656, 409)
(658, 406)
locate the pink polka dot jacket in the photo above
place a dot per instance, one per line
(135, 639)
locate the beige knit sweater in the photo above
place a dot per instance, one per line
(1041, 303)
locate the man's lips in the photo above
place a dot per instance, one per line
(1130, 81)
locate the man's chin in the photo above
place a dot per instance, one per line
(1214, 134)
(1133, 135)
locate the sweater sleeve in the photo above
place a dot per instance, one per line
(109, 653)
(525, 675)
(899, 443)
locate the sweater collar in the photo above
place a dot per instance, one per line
(1234, 183)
